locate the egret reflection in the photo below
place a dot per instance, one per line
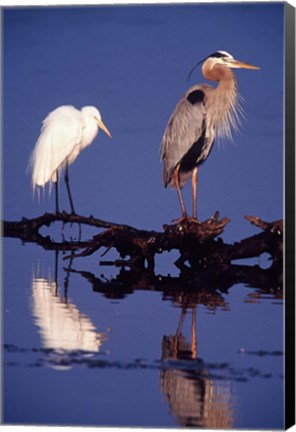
(62, 327)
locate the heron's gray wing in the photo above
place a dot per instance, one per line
(185, 127)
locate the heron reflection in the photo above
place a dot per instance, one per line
(193, 396)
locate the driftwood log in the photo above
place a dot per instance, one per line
(196, 242)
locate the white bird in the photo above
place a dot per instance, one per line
(65, 132)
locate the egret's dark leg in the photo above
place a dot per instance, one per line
(194, 191)
(68, 189)
(177, 184)
(56, 269)
(178, 332)
(57, 194)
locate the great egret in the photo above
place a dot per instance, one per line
(65, 132)
(202, 113)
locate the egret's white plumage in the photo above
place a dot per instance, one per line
(65, 132)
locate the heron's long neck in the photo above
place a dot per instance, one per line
(222, 103)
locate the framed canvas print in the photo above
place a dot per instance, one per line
(148, 217)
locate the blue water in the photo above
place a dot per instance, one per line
(74, 354)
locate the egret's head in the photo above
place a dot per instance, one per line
(93, 113)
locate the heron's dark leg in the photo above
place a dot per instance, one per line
(57, 193)
(68, 189)
(193, 333)
(177, 184)
(194, 190)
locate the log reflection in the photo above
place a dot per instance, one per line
(204, 287)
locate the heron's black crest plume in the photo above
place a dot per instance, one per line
(194, 67)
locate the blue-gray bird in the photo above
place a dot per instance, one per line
(202, 114)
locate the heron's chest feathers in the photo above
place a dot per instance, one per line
(223, 110)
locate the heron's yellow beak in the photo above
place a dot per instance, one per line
(103, 127)
(241, 65)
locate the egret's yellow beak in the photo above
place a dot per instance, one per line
(240, 65)
(103, 127)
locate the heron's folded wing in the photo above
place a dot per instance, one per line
(185, 127)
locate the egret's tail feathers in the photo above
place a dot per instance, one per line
(40, 188)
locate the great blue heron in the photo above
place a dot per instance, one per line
(66, 131)
(202, 114)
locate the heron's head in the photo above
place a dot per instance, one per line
(222, 58)
(93, 113)
(226, 59)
